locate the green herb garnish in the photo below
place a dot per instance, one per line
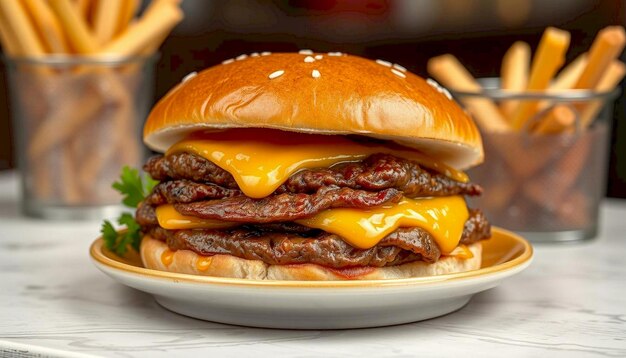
(134, 189)
(119, 242)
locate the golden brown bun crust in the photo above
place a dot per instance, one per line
(186, 261)
(352, 95)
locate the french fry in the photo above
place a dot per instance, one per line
(66, 120)
(17, 23)
(573, 212)
(150, 10)
(561, 119)
(83, 149)
(514, 159)
(146, 31)
(611, 78)
(565, 80)
(9, 42)
(42, 185)
(50, 30)
(75, 26)
(127, 12)
(500, 195)
(549, 57)
(131, 153)
(155, 4)
(70, 191)
(514, 145)
(606, 47)
(84, 8)
(107, 17)
(555, 183)
(450, 72)
(568, 77)
(514, 74)
(120, 112)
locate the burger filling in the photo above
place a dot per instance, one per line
(370, 207)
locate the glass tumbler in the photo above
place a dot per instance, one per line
(77, 121)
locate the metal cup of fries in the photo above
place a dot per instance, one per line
(77, 123)
(546, 186)
(80, 79)
(546, 131)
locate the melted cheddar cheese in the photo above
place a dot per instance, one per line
(261, 160)
(170, 219)
(167, 257)
(444, 218)
(462, 252)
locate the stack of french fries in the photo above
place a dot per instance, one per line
(78, 71)
(598, 70)
(544, 158)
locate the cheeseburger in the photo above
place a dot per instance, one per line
(310, 167)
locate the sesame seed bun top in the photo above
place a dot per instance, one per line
(321, 93)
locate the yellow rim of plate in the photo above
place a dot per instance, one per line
(523, 259)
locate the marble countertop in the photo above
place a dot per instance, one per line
(54, 302)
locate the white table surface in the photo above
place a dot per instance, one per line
(54, 302)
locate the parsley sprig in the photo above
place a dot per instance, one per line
(134, 188)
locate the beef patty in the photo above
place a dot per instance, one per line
(280, 207)
(289, 243)
(377, 172)
(265, 231)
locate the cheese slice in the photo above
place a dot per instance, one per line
(261, 160)
(462, 252)
(444, 218)
(171, 219)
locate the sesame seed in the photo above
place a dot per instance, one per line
(398, 73)
(438, 87)
(189, 76)
(276, 74)
(433, 83)
(316, 74)
(241, 57)
(335, 54)
(446, 93)
(319, 57)
(226, 62)
(309, 59)
(265, 53)
(305, 52)
(384, 63)
(254, 54)
(398, 67)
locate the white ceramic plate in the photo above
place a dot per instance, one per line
(319, 305)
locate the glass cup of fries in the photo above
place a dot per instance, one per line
(77, 122)
(545, 181)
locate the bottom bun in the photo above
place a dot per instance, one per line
(156, 255)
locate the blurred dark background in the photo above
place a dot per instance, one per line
(407, 32)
